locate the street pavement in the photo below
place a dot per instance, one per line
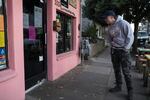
(89, 81)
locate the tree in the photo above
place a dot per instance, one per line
(91, 31)
(93, 8)
(133, 10)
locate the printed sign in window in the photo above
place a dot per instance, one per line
(2, 40)
(1, 23)
(2, 58)
(37, 17)
(3, 36)
(25, 20)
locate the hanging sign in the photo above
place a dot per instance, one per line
(58, 3)
(73, 3)
(56, 26)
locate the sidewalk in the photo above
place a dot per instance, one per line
(88, 82)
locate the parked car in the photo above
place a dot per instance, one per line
(143, 38)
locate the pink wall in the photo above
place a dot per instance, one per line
(12, 79)
(12, 83)
(62, 63)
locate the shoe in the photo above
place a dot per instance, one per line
(115, 89)
(130, 95)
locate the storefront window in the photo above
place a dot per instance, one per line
(64, 37)
(3, 31)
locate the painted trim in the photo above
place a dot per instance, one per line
(65, 55)
(6, 75)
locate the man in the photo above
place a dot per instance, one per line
(121, 39)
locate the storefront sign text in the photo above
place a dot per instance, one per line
(67, 10)
(73, 3)
(63, 8)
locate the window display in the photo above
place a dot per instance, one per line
(64, 37)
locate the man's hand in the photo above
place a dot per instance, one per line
(127, 50)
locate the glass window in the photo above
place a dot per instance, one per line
(3, 31)
(34, 40)
(64, 3)
(64, 37)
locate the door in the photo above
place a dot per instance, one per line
(34, 23)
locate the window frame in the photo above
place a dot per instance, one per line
(72, 32)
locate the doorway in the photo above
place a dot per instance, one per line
(34, 27)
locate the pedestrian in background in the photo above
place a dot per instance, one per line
(86, 48)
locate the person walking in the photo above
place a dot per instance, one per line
(86, 48)
(121, 38)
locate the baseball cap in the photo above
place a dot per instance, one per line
(108, 13)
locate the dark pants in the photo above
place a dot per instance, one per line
(121, 61)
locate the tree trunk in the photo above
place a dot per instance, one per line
(136, 26)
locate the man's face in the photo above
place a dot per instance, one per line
(110, 20)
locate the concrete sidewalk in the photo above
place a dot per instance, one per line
(88, 82)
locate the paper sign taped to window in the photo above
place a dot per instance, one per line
(1, 23)
(2, 39)
(25, 20)
(41, 58)
(38, 17)
(2, 58)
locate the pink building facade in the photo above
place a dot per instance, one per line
(61, 63)
(39, 39)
